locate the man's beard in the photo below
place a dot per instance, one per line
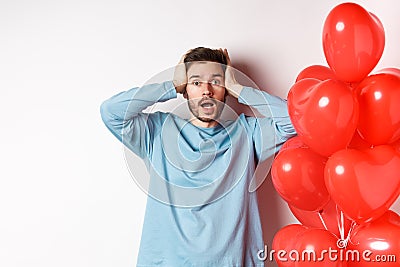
(194, 109)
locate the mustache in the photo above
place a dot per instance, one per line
(208, 100)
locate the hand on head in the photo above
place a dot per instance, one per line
(180, 77)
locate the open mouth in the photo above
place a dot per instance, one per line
(207, 105)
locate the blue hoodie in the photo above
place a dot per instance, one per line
(202, 206)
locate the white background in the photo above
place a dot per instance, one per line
(66, 195)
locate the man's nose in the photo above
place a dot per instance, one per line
(207, 89)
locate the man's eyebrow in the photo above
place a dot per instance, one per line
(194, 76)
(198, 76)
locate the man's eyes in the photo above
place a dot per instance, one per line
(215, 82)
(196, 83)
(212, 82)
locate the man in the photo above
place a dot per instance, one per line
(200, 211)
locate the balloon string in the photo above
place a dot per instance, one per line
(352, 226)
(344, 241)
(322, 220)
(341, 224)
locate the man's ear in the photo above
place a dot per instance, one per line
(184, 93)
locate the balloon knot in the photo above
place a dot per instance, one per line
(342, 243)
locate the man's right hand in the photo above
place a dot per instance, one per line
(180, 77)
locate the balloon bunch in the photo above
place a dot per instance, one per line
(341, 174)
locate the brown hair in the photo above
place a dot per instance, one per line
(205, 54)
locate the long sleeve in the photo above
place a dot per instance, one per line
(274, 124)
(123, 116)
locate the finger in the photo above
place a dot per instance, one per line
(228, 59)
(182, 58)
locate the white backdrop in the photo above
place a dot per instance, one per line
(66, 195)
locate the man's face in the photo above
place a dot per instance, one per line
(205, 91)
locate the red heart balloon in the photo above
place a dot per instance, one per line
(324, 114)
(379, 25)
(330, 215)
(318, 72)
(379, 98)
(353, 41)
(393, 71)
(294, 142)
(284, 240)
(317, 242)
(298, 176)
(365, 183)
(377, 243)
